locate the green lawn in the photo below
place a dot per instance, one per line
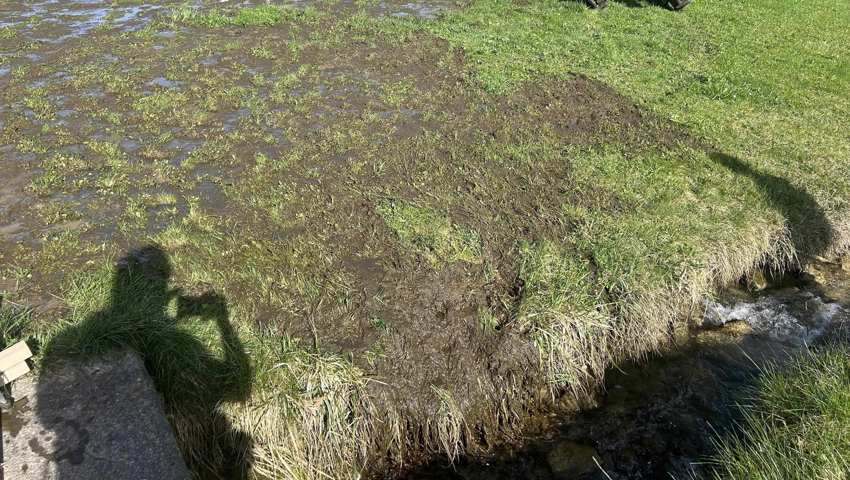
(763, 80)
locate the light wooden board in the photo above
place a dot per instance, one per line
(13, 362)
(14, 372)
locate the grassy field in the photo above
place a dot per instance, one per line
(345, 242)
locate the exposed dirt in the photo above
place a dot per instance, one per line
(272, 163)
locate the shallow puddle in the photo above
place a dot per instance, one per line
(56, 21)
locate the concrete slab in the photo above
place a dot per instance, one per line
(98, 419)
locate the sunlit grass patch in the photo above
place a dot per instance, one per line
(159, 103)
(55, 170)
(8, 32)
(40, 105)
(112, 153)
(762, 80)
(256, 16)
(797, 425)
(431, 234)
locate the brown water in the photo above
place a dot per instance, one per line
(658, 419)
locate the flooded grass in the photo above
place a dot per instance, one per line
(417, 245)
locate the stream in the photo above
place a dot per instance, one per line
(659, 419)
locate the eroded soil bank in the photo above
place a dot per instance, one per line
(362, 247)
(660, 418)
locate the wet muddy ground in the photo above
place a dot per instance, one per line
(338, 180)
(660, 418)
(286, 152)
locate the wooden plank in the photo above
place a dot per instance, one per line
(14, 372)
(14, 355)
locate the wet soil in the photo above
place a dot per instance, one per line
(260, 158)
(660, 418)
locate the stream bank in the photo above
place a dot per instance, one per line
(660, 418)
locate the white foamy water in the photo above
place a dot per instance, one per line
(800, 317)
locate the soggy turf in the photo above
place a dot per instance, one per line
(419, 231)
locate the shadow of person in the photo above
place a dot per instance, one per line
(196, 360)
(810, 231)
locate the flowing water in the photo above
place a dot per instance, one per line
(658, 419)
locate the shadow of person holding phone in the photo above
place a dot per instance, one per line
(189, 348)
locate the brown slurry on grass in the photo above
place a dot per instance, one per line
(392, 240)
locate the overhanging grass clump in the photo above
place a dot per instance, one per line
(565, 317)
(797, 425)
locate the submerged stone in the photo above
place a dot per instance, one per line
(571, 460)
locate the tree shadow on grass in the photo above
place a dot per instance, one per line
(810, 231)
(192, 378)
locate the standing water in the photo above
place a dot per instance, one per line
(659, 419)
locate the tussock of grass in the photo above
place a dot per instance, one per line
(307, 418)
(796, 426)
(560, 311)
(430, 234)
